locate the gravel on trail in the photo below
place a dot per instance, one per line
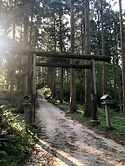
(65, 142)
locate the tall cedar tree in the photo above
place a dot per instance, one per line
(87, 52)
(122, 52)
(72, 71)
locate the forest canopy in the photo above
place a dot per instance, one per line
(59, 26)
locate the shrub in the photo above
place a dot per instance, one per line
(47, 92)
(16, 139)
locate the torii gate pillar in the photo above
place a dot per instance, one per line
(34, 84)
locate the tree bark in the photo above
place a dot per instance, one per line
(83, 47)
(50, 81)
(12, 71)
(103, 52)
(25, 45)
(54, 70)
(72, 71)
(114, 77)
(119, 85)
(61, 50)
(87, 51)
(122, 53)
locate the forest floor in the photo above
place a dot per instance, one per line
(66, 142)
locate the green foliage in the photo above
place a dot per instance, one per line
(47, 92)
(80, 114)
(117, 120)
(54, 101)
(16, 139)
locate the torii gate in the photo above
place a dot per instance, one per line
(90, 66)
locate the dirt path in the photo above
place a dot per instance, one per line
(73, 144)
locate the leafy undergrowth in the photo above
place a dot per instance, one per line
(16, 139)
(117, 120)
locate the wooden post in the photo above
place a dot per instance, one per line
(34, 85)
(26, 77)
(108, 118)
(93, 96)
(27, 109)
(34, 75)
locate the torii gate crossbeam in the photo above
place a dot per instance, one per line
(63, 55)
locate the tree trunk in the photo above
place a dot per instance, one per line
(119, 85)
(103, 52)
(87, 52)
(61, 85)
(72, 71)
(83, 48)
(30, 58)
(122, 53)
(12, 75)
(114, 77)
(55, 43)
(61, 49)
(25, 45)
(50, 81)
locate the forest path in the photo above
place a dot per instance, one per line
(71, 144)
